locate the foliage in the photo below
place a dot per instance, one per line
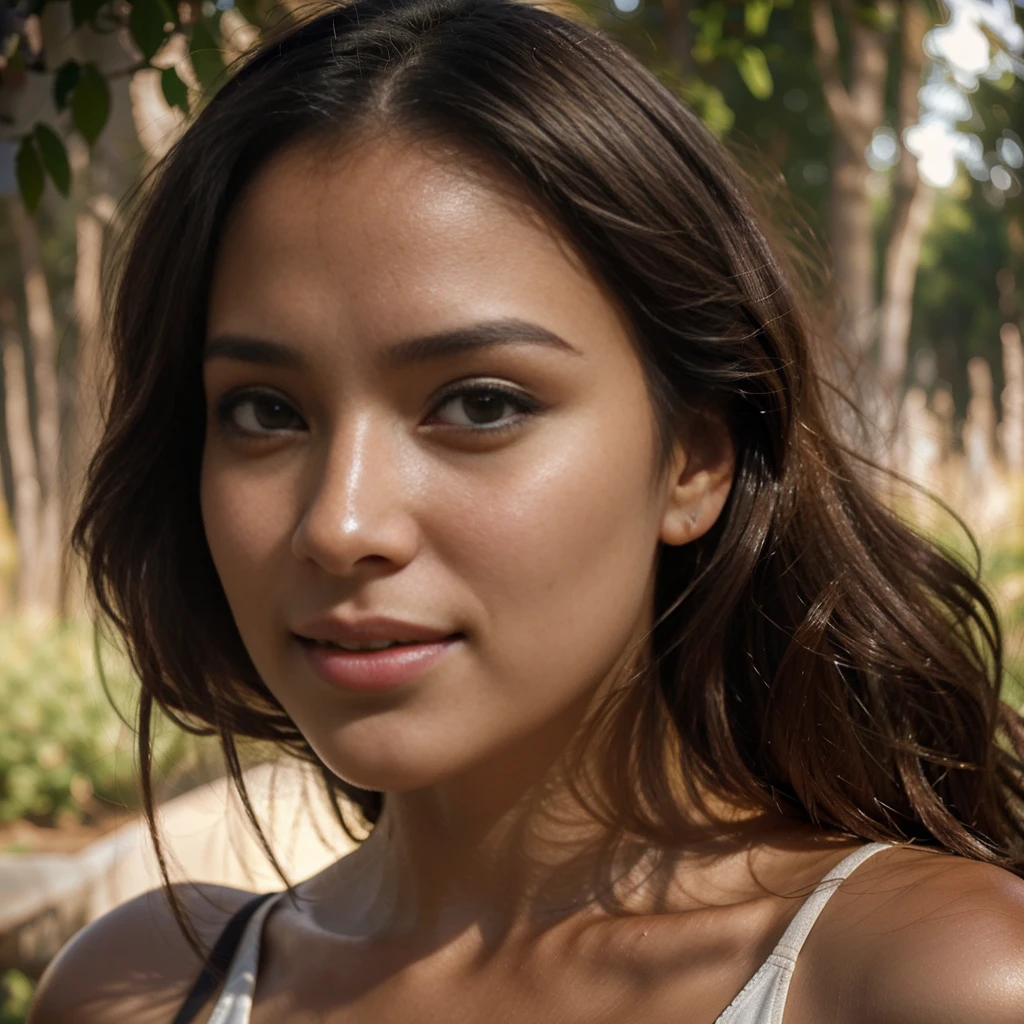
(998, 563)
(81, 90)
(749, 74)
(1004, 576)
(65, 748)
(956, 301)
(15, 993)
(956, 309)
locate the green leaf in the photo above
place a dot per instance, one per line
(883, 19)
(702, 53)
(146, 23)
(18, 990)
(756, 16)
(730, 49)
(207, 60)
(709, 103)
(711, 25)
(90, 103)
(1006, 81)
(753, 69)
(84, 10)
(64, 81)
(175, 90)
(29, 171)
(55, 157)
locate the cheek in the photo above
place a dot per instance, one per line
(246, 523)
(561, 548)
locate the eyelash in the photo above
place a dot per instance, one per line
(526, 407)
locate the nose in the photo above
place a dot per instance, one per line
(357, 515)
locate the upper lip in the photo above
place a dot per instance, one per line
(367, 630)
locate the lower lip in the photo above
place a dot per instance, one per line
(375, 670)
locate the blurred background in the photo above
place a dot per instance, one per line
(887, 137)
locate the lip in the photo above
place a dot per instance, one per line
(368, 629)
(366, 671)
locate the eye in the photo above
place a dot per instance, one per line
(257, 414)
(484, 407)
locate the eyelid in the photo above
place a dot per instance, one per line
(225, 406)
(480, 383)
(474, 385)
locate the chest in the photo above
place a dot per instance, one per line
(512, 1003)
(656, 982)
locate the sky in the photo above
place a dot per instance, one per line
(961, 56)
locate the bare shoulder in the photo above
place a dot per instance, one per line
(133, 964)
(918, 936)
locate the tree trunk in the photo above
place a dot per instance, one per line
(89, 254)
(852, 237)
(855, 111)
(901, 261)
(237, 35)
(8, 556)
(24, 468)
(1011, 429)
(41, 335)
(88, 380)
(912, 204)
(979, 428)
(679, 34)
(157, 125)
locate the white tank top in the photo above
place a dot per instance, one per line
(761, 1001)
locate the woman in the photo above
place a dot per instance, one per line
(446, 326)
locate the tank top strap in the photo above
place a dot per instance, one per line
(236, 952)
(793, 938)
(235, 1003)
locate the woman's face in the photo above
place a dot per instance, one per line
(444, 423)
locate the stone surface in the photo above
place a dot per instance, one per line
(46, 898)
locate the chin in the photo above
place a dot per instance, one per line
(384, 770)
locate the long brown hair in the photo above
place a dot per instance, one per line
(812, 653)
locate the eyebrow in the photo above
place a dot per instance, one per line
(443, 344)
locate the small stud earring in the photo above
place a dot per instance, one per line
(693, 517)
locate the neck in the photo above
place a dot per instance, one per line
(509, 845)
(443, 863)
(503, 850)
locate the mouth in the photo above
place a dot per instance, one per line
(378, 665)
(372, 647)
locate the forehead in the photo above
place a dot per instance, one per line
(385, 238)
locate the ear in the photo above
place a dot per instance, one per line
(699, 479)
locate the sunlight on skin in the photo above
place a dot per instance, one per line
(537, 541)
